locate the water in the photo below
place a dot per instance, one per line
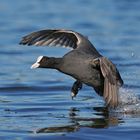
(36, 104)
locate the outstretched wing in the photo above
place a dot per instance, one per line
(66, 38)
(112, 80)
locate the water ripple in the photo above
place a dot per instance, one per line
(36, 102)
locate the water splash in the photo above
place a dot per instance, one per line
(129, 103)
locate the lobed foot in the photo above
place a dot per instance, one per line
(75, 88)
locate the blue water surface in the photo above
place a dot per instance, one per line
(36, 104)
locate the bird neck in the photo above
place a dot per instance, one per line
(53, 63)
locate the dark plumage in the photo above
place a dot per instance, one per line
(84, 62)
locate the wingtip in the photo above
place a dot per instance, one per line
(22, 42)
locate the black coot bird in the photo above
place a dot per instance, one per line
(84, 62)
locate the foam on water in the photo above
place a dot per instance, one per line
(129, 102)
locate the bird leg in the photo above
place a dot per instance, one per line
(75, 88)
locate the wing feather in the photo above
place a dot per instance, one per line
(111, 80)
(66, 38)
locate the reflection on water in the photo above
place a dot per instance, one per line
(129, 106)
(103, 120)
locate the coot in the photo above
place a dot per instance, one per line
(83, 62)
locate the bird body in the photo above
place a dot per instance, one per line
(80, 68)
(84, 62)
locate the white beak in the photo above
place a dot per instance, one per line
(35, 65)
